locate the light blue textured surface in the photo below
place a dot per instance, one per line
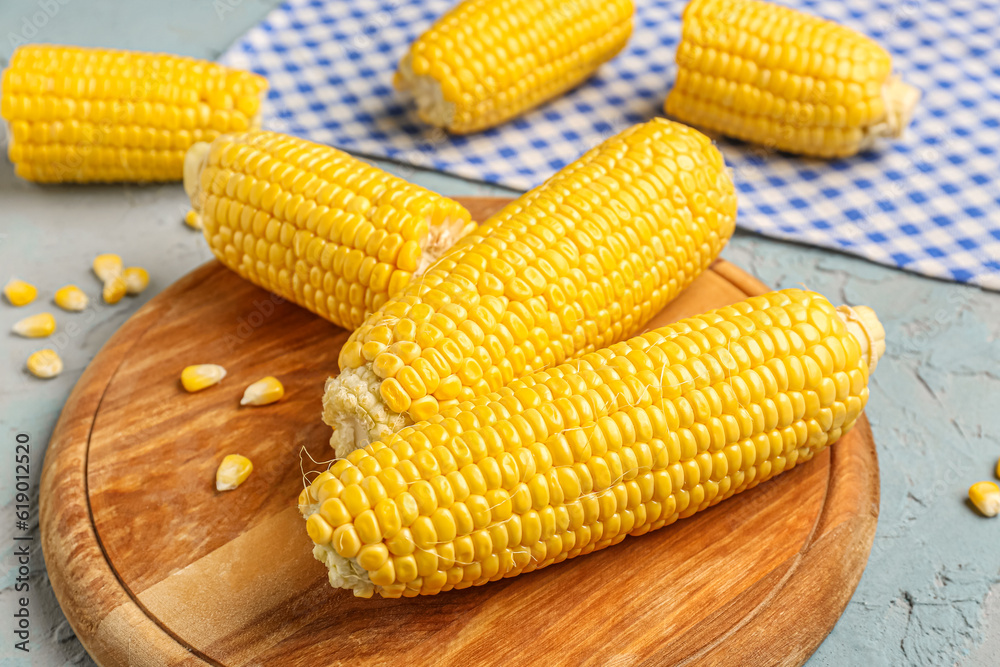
(927, 202)
(931, 592)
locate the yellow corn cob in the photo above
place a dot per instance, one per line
(622, 441)
(576, 264)
(79, 114)
(487, 61)
(315, 225)
(777, 77)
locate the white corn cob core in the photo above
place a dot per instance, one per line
(432, 107)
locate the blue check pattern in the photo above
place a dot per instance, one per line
(929, 203)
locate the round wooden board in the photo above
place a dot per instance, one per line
(153, 567)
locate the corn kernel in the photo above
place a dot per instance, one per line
(263, 392)
(193, 220)
(71, 298)
(319, 530)
(114, 290)
(45, 364)
(107, 267)
(136, 280)
(232, 472)
(196, 378)
(35, 326)
(19, 293)
(986, 497)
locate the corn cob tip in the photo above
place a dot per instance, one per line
(358, 415)
(864, 325)
(900, 100)
(194, 162)
(432, 107)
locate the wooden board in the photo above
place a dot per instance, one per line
(153, 567)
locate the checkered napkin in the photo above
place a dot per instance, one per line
(929, 203)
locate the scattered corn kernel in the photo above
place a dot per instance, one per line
(998, 468)
(20, 293)
(196, 378)
(108, 267)
(986, 497)
(45, 364)
(193, 220)
(264, 391)
(72, 298)
(136, 280)
(114, 290)
(35, 326)
(232, 472)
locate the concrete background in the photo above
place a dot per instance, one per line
(931, 592)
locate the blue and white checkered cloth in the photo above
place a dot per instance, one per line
(929, 203)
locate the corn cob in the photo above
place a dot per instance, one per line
(82, 115)
(576, 264)
(622, 441)
(777, 77)
(487, 61)
(315, 225)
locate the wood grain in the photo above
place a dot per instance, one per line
(154, 567)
